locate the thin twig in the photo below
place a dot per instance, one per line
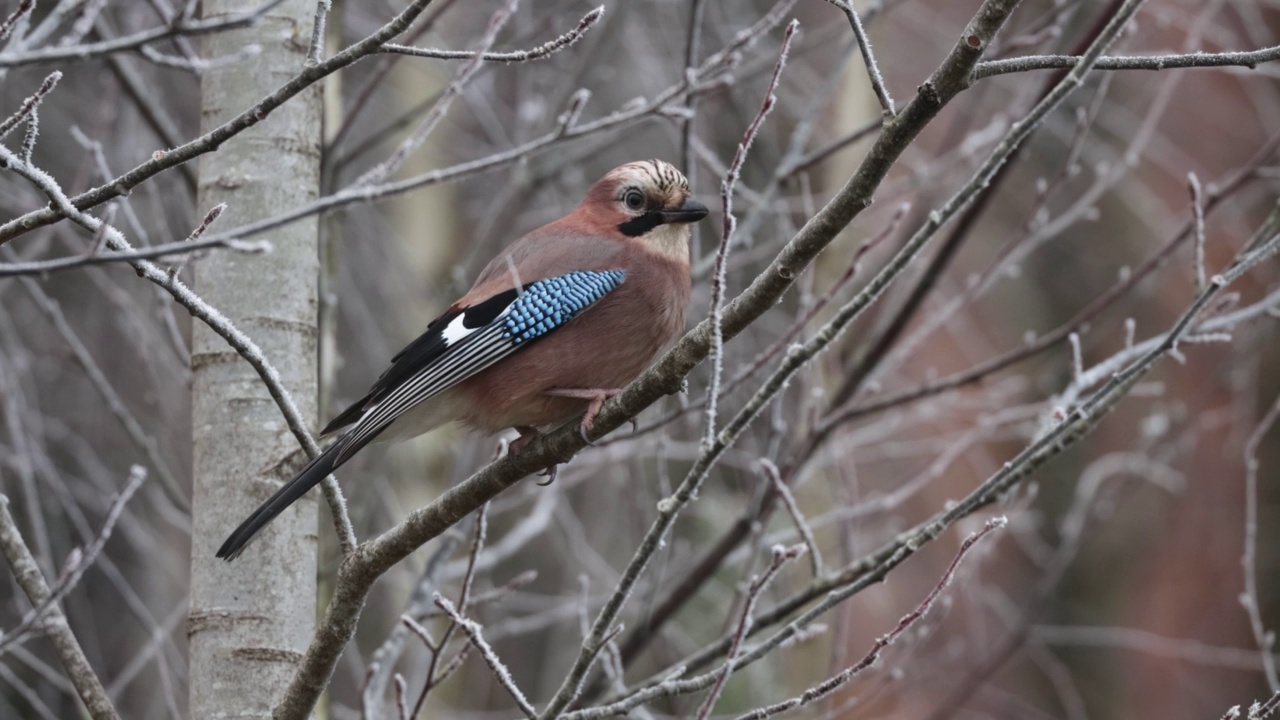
(136, 41)
(868, 57)
(793, 509)
(154, 252)
(730, 222)
(1249, 59)
(544, 50)
(213, 139)
(500, 671)
(1249, 560)
(29, 105)
(1197, 214)
(821, 690)
(78, 561)
(68, 650)
(464, 597)
(216, 321)
(316, 50)
(24, 8)
(388, 167)
(780, 557)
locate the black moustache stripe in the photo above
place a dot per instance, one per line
(637, 226)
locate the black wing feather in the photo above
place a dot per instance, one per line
(418, 354)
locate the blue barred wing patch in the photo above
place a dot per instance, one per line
(547, 304)
(459, 345)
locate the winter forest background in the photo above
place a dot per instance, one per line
(1069, 381)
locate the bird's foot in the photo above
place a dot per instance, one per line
(596, 396)
(527, 434)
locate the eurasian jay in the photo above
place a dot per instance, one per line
(554, 326)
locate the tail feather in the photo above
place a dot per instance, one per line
(317, 470)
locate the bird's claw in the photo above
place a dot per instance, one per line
(550, 472)
(527, 434)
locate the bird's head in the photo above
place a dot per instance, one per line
(649, 202)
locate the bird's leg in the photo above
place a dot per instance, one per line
(597, 396)
(527, 434)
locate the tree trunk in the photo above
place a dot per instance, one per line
(251, 619)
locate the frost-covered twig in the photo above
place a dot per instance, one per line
(1249, 59)
(793, 509)
(1197, 214)
(316, 50)
(66, 647)
(868, 57)
(29, 105)
(500, 671)
(24, 8)
(665, 687)
(780, 557)
(220, 324)
(383, 660)
(544, 50)
(213, 139)
(388, 167)
(464, 598)
(821, 690)
(78, 561)
(719, 278)
(154, 252)
(183, 28)
(1249, 559)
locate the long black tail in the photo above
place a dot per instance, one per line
(310, 476)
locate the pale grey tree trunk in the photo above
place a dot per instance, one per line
(251, 619)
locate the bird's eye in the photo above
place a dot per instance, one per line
(634, 200)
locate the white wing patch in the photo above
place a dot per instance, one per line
(456, 330)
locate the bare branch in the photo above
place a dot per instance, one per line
(730, 222)
(155, 252)
(1197, 213)
(24, 8)
(473, 631)
(380, 172)
(1249, 560)
(1249, 59)
(780, 557)
(868, 57)
(821, 690)
(546, 49)
(30, 104)
(211, 140)
(33, 583)
(316, 50)
(77, 562)
(87, 51)
(797, 517)
(198, 308)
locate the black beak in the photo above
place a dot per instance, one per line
(690, 211)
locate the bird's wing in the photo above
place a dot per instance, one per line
(464, 341)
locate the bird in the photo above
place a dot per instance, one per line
(553, 326)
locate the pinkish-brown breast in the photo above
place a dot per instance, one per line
(605, 347)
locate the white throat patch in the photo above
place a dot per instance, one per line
(670, 240)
